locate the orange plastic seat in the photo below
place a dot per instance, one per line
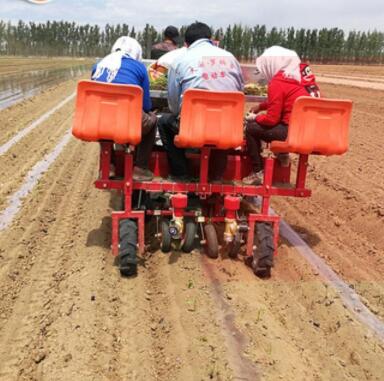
(211, 118)
(317, 126)
(108, 112)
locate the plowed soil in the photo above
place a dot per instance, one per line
(14, 65)
(66, 314)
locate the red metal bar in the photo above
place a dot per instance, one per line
(302, 172)
(204, 164)
(105, 159)
(268, 176)
(141, 231)
(128, 181)
(115, 234)
(136, 215)
(185, 214)
(250, 236)
(248, 190)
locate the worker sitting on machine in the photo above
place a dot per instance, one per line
(287, 80)
(161, 67)
(202, 66)
(171, 41)
(123, 66)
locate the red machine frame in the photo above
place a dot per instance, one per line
(238, 164)
(208, 121)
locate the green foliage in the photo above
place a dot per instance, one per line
(158, 83)
(62, 38)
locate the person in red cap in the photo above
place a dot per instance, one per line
(171, 41)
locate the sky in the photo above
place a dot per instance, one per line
(344, 14)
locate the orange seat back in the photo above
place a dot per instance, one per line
(211, 118)
(108, 112)
(319, 126)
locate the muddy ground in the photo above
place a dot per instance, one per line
(65, 313)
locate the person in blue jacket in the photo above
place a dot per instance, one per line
(124, 66)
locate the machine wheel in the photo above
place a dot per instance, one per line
(263, 255)
(190, 230)
(235, 246)
(166, 239)
(128, 247)
(212, 241)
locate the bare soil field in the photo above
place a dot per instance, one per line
(371, 77)
(14, 65)
(350, 70)
(66, 314)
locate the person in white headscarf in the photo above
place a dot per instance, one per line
(123, 65)
(277, 58)
(110, 65)
(280, 68)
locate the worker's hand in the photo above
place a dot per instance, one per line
(250, 117)
(255, 109)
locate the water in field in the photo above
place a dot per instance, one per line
(17, 87)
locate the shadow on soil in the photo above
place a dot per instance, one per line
(101, 236)
(309, 237)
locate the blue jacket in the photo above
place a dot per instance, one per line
(131, 72)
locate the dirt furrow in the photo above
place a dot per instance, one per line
(188, 341)
(15, 118)
(68, 308)
(16, 163)
(14, 65)
(343, 221)
(350, 70)
(34, 269)
(296, 325)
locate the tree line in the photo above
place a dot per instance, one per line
(60, 38)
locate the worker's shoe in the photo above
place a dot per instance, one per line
(255, 178)
(283, 159)
(142, 174)
(126, 267)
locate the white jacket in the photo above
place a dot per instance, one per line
(203, 66)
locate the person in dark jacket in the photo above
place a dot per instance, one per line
(124, 66)
(281, 68)
(171, 40)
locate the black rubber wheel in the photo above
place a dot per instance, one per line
(166, 239)
(212, 243)
(128, 247)
(263, 255)
(234, 247)
(190, 230)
